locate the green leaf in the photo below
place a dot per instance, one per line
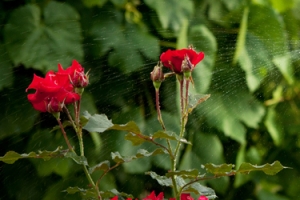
(263, 18)
(269, 169)
(140, 154)
(11, 156)
(48, 37)
(199, 189)
(134, 40)
(113, 192)
(219, 170)
(203, 40)
(273, 125)
(91, 3)
(97, 123)
(241, 40)
(170, 136)
(103, 166)
(255, 61)
(162, 180)
(176, 14)
(195, 100)
(129, 127)
(81, 160)
(86, 194)
(136, 139)
(190, 173)
(282, 5)
(182, 38)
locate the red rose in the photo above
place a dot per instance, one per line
(152, 196)
(172, 59)
(75, 73)
(54, 89)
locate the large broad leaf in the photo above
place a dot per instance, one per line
(273, 125)
(203, 40)
(42, 38)
(172, 13)
(262, 18)
(97, 123)
(227, 111)
(126, 42)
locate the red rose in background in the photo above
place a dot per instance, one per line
(75, 73)
(54, 89)
(152, 196)
(172, 59)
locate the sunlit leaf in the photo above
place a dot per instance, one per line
(170, 136)
(97, 123)
(11, 156)
(269, 169)
(136, 139)
(203, 40)
(86, 194)
(48, 36)
(129, 127)
(113, 192)
(273, 125)
(199, 189)
(162, 180)
(81, 160)
(195, 100)
(140, 154)
(103, 166)
(219, 170)
(191, 173)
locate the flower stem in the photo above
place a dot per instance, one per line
(159, 117)
(65, 135)
(81, 147)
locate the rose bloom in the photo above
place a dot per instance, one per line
(172, 59)
(51, 87)
(75, 73)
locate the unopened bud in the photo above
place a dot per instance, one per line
(157, 75)
(53, 105)
(79, 79)
(187, 67)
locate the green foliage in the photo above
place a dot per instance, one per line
(48, 36)
(250, 70)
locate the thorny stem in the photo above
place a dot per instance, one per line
(70, 118)
(78, 130)
(158, 109)
(65, 135)
(184, 117)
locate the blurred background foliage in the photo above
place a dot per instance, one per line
(251, 69)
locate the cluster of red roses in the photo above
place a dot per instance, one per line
(57, 88)
(160, 196)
